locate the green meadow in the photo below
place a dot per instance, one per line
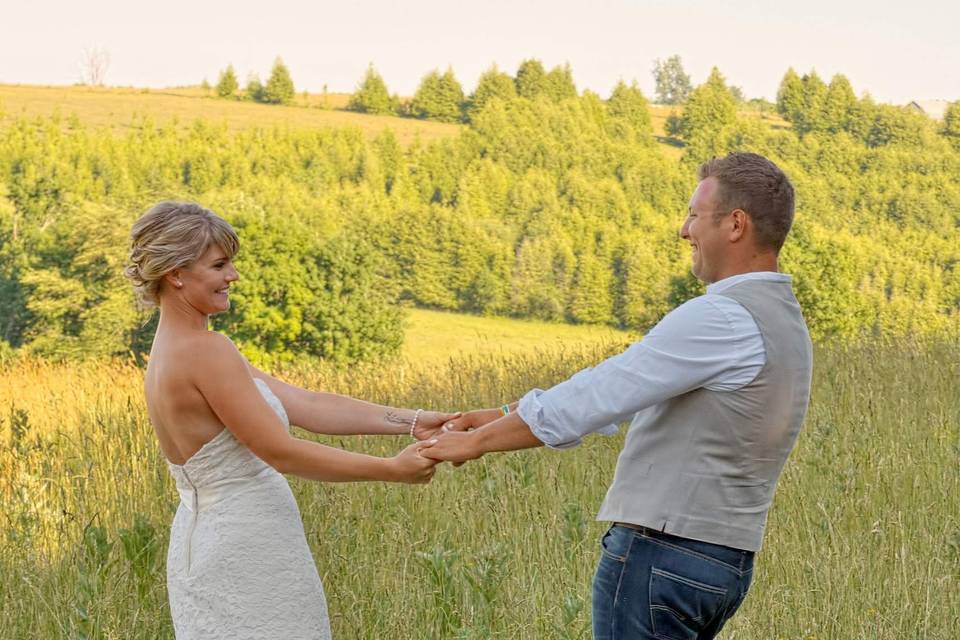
(863, 540)
(438, 335)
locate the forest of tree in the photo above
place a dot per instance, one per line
(550, 204)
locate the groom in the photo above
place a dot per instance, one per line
(717, 393)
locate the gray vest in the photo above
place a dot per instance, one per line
(704, 465)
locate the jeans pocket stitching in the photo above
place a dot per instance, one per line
(612, 556)
(676, 614)
(709, 588)
(720, 592)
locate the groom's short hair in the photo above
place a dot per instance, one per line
(756, 185)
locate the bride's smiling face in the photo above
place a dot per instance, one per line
(205, 284)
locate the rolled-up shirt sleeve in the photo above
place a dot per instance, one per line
(531, 411)
(699, 344)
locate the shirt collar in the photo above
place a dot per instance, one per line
(726, 283)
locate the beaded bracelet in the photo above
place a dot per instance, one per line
(414, 425)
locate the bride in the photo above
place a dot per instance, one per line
(238, 564)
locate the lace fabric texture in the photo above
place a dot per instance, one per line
(238, 565)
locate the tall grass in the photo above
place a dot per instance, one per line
(863, 540)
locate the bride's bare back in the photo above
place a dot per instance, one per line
(181, 416)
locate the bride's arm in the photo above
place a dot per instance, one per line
(221, 375)
(334, 414)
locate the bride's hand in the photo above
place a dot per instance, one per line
(429, 423)
(410, 467)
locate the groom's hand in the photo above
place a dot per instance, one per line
(455, 446)
(430, 423)
(471, 420)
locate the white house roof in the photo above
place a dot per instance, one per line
(933, 108)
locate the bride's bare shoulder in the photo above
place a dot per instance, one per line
(210, 351)
(212, 340)
(196, 350)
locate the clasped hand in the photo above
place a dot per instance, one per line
(442, 437)
(452, 442)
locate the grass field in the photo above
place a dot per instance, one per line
(117, 108)
(863, 541)
(437, 335)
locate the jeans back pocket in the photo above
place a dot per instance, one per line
(681, 607)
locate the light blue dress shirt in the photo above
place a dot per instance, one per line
(711, 341)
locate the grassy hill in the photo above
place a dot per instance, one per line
(116, 108)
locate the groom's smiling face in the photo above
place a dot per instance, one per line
(704, 230)
(206, 282)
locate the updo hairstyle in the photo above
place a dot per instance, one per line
(173, 235)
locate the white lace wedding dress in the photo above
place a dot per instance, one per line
(238, 566)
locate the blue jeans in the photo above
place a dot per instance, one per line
(654, 585)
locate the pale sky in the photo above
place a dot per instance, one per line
(897, 51)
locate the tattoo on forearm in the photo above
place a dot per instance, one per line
(393, 417)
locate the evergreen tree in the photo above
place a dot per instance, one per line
(672, 82)
(863, 112)
(591, 299)
(493, 83)
(254, 88)
(629, 104)
(674, 125)
(838, 105)
(951, 121)
(534, 291)
(431, 246)
(643, 281)
(439, 97)
(531, 79)
(372, 95)
(709, 108)
(558, 84)
(790, 100)
(14, 259)
(279, 89)
(896, 125)
(814, 100)
(227, 84)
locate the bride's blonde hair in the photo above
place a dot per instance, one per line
(172, 235)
